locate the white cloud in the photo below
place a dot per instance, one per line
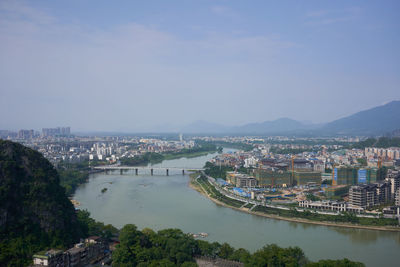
(12, 9)
(326, 17)
(224, 11)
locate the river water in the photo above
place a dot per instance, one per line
(161, 201)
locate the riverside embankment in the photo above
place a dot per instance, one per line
(196, 186)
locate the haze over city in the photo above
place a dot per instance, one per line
(158, 65)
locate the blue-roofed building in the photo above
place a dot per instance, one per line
(240, 192)
(222, 182)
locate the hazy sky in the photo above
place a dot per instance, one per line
(150, 65)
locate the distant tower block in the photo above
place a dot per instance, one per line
(181, 137)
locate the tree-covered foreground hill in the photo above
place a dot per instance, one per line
(35, 214)
(172, 247)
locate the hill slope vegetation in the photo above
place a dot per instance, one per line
(35, 212)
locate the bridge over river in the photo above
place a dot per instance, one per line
(142, 168)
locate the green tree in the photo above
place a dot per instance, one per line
(226, 251)
(125, 254)
(272, 255)
(241, 255)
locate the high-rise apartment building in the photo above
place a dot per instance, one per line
(363, 196)
(59, 131)
(393, 176)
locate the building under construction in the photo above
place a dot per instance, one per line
(270, 178)
(338, 190)
(354, 176)
(304, 178)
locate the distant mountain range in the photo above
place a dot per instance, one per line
(374, 121)
(377, 120)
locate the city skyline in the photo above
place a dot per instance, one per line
(139, 67)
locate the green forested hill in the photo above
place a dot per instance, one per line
(34, 210)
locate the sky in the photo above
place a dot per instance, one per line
(135, 66)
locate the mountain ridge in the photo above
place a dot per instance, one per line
(377, 120)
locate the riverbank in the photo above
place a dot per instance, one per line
(196, 186)
(155, 158)
(188, 155)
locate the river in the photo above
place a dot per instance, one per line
(161, 201)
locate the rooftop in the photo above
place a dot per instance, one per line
(47, 254)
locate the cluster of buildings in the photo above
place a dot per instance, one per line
(388, 153)
(272, 171)
(113, 151)
(364, 196)
(57, 144)
(59, 131)
(373, 194)
(30, 134)
(92, 250)
(351, 180)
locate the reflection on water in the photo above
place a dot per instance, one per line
(162, 201)
(366, 236)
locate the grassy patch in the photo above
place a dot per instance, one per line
(214, 193)
(344, 218)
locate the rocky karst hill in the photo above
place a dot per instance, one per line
(35, 212)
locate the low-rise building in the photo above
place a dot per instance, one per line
(241, 180)
(246, 182)
(76, 256)
(330, 206)
(94, 248)
(49, 258)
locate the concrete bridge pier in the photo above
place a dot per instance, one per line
(183, 172)
(136, 171)
(121, 171)
(151, 172)
(167, 172)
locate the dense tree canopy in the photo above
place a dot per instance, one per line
(172, 247)
(216, 171)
